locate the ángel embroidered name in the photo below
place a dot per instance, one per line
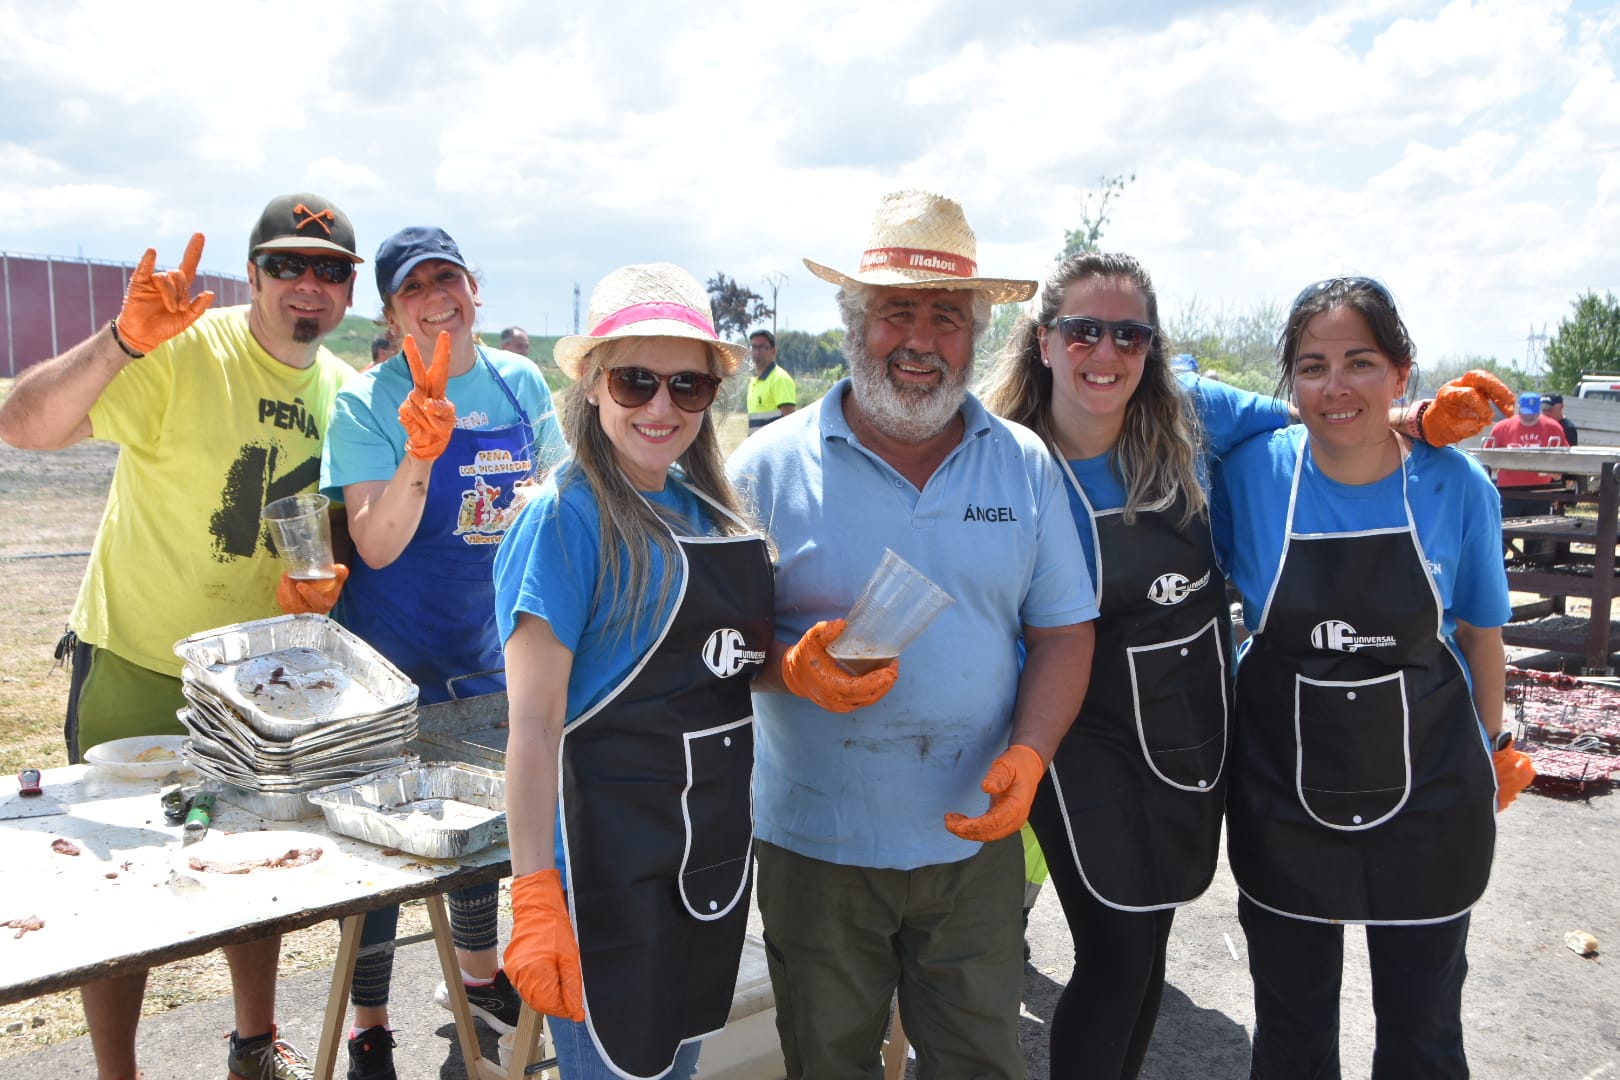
(988, 513)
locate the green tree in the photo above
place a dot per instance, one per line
(1093, 215)
(1588, 342)
(1237, 346)
(801, 353)
(736, 307)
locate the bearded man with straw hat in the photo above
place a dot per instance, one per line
(873, 876)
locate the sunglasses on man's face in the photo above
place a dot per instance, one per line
(1346, 284)
(288, 266)
(1130, 337)
(633, 387)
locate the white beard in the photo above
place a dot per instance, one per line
(908, 413)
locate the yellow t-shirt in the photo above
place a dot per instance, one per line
(767, 396)
(211, 428)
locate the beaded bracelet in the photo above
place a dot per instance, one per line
(112, 324)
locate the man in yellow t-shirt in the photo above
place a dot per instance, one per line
(771, 393)
(217, 413)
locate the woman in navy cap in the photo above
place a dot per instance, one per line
(425, 456)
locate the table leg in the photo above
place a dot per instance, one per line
(526, 1042)
(1597, 623)
(337, 999)
(895, 1050)
(472, 1056)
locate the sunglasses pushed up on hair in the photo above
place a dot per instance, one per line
(289, 266)
(633, 387)
(1347, 284)
(1130, 337)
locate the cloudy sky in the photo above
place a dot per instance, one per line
(1467, 153)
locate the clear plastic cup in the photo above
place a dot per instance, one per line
(897, 604)
(303, 535)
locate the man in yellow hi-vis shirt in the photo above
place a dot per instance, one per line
(771, 393)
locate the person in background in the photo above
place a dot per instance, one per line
(217, 413)
(425, 459)
(635, 604)
(1526, 429)
(382, 347)
(771, 393)
(1552, 406)
(515, 340)
(872, 877)
(1368, 756)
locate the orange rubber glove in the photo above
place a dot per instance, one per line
(811, 672)
(159, 306)
(542, 958)
(1011, 784)
(428, 419)
(304, 596)
(1462, 408)
(1513, 774)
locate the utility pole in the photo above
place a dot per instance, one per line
(576, 307)
(1535, 348)
(777, 281)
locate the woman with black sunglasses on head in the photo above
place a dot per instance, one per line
(1129, 815)
(425, 457)
(635, 605)
(1369, 758)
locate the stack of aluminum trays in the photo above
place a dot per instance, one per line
(281, 706)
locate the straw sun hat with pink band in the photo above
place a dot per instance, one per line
(646, 300)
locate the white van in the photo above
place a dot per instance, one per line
(1601, 385)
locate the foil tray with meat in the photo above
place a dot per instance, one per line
(438, 810)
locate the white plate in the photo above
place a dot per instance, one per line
(244, 848)
(123, 757)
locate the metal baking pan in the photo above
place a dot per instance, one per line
(286, 807)
(291, 674)
(438, 810)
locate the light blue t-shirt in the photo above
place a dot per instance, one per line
(871, 788)
(365, 440)
(549, 566)
(1455, 510)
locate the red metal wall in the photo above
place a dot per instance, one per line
(48, 303)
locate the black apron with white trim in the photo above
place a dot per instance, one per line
(657, 806)
(1138, 779)
(1361, 788)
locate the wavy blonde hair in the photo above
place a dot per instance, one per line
(1157, 453)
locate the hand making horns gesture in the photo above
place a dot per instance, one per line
(425, 414)
(159, 306)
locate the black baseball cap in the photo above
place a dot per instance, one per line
(411, 245)
(1548, 400)
(301, 222)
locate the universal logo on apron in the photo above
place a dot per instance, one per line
(725, 655)
(1342, 637)
(1172, 589)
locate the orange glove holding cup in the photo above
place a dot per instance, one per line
(542, 957)
(307, 596)
(811, 672)
(428, 419)
(1513, 774)
(1461, 409)
(1011, 784)
(159, 306)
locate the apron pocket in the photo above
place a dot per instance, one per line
(718, 808)
(1180, 694)
(1353, 762)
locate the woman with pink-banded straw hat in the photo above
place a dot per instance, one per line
(635, 604)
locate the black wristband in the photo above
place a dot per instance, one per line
(112, 324)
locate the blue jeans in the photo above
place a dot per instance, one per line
(577, 1058)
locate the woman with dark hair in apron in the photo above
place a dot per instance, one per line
(425, 457)
(635, 606)
(1368, 757)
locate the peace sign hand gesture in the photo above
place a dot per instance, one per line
(426, 415)
(159, 306)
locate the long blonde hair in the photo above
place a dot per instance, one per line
(1156, 454)
(630, 526)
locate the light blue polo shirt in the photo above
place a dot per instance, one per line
(991, 527)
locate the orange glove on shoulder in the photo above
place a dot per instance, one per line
(1462, 408)
(542, 958)
(159, 306)
(427, 416)
(1011, 784)
(304, 596)
(1513, 774)
(811, 672)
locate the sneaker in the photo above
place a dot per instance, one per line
(267, 1058)
(371, 1055)
(497, 1004)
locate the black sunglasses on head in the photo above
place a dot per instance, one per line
(1349, 284)
(290, 266)
(633, 387)
(1130, 337)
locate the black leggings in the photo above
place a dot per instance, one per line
(1105, 1016)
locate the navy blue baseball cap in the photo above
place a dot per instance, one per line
(415, 244)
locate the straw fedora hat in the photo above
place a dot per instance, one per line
(646, 300)
(921, 240)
